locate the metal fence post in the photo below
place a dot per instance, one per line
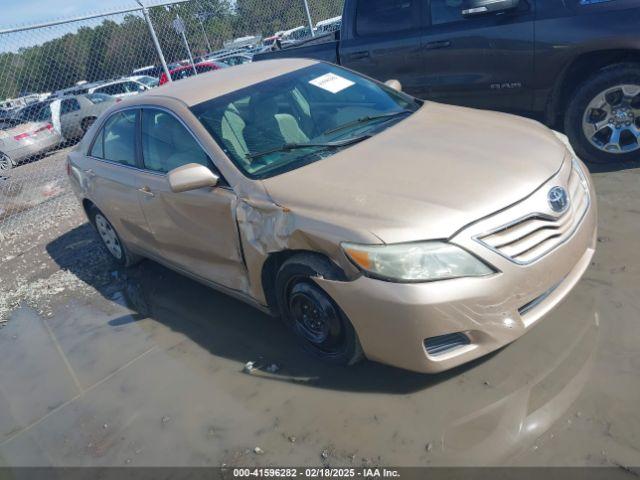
(308, 12)
(156, 43)
(181, 29)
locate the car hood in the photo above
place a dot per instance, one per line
(426, 177)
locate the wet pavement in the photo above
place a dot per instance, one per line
(146, 367)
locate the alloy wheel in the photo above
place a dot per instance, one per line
(611, 121)
(5, 162)
(109, 236)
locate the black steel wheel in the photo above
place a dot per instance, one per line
(321, 326)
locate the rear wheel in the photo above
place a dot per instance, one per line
(320, 325)
(603, 119)
(111, 240)
(5, 162)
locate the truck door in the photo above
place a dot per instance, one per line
(484, 61)
(382, 39)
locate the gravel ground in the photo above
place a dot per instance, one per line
(146, 367)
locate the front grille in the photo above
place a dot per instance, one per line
(531, 238)
(445, 343)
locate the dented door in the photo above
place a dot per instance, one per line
(195, 231)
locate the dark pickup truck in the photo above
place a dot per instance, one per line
(573, 64)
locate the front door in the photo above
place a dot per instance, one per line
(195, 231)
(385, 41)
(484, 61)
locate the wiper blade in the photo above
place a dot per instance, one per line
(367, 119)
(287, 147)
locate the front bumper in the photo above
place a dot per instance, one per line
(393, 320)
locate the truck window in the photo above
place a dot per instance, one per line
(446, 11)
(374, 17)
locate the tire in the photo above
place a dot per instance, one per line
(317, 321)
(5, 162)
(591, 130)
(110, 239)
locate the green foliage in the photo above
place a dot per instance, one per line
(114, 48)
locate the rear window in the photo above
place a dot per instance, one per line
(384, 16)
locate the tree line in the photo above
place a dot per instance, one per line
(116, 46)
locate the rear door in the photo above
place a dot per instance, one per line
(484, 61)
(113, 178)
(195, 231)
(383, 40)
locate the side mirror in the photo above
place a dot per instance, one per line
(474, 8)
(394, 84)
(191, 177)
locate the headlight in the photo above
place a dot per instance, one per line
(416, 262)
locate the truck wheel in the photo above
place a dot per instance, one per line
(320, 325)
(603, 118)
(5, 162)
(111, 240)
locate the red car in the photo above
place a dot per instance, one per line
(185, 71)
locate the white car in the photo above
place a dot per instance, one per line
(120, 88)
(147, 80)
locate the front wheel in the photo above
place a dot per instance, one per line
(5, 162)
(320, 325)
(603, 118)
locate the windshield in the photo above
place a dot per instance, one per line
(264, 128)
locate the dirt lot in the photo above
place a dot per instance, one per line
(102, 366)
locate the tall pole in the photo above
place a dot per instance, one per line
(156, 43)
(181, 29)
(204, 32)
(308, 12)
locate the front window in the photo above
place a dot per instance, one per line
(265, 128)
(166, 143)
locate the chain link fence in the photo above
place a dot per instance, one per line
(56, 78)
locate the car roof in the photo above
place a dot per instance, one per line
(210, 85)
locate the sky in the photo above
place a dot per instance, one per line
(20, 13)
(28, 12)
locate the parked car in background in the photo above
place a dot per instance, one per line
(74, 117)
(120, 88)
(150, 71)
(78, 113)
(186, 71)
(146, 80)
(294, 35)
(235, 59)
(418, 234)
(573, 64)
(329, 26)
(20, 141)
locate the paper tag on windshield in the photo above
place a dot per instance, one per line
(332, 83)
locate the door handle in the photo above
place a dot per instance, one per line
(437, 45)
(146, 191)
(360, 55)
